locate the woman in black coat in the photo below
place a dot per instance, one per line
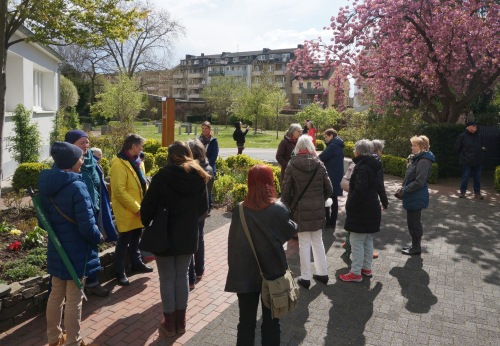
(363, 212)
(270, 227)
(181, 187)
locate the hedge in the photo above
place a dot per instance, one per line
(397, 166)
(151, 146)
(27, 174)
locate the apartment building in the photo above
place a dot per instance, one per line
(195, 72)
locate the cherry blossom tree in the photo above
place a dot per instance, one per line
(436, 54)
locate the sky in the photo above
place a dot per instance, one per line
(217, 26)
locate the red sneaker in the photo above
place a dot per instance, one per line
(351, 277)
(367, 272)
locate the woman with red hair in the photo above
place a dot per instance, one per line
(270, 227)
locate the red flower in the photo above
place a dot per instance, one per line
(15, 246)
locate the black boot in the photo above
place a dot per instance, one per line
(415, 248)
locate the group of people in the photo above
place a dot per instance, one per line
(76, 203)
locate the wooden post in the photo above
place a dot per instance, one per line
(167, 121)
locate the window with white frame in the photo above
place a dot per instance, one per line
(37, 89)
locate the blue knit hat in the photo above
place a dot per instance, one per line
(65, 155)
(74, 135)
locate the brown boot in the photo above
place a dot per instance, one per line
(167, 325)
(180, 319)
(60, 341)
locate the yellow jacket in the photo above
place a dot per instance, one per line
(126, 195)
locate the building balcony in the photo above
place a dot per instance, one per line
(195, 86)
(196, 75)
(178, 75)
(179, 96)
(215, 73)
(178, 86)
(256, 73)
(194, 96)
(312, 91)
(279, 72)
(235, 73)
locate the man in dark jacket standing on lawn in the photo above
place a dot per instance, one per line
(469, 146)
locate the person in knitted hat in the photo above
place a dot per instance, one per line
(93, 180)
(66, 202)
(67, 156)
(469, 145)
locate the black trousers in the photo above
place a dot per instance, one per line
(413, 218)
(270, 328)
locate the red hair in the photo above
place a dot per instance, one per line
(261, 190)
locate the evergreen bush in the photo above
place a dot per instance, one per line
(104, 163)
(26, 141)
(320, 145)
(160, 159)
(27, 174)
(149, 162)
(238, 193)
(496, 179)
(151, 146)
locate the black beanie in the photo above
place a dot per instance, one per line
(65, 154)
(74, 135)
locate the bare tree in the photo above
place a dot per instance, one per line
(150, 48)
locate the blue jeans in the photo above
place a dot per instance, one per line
(362, 251)
(128, 241)
(270, 328)
(174, 288)
(476, 175)
(197, 265)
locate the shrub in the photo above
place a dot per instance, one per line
(37, 257)
(27, 174)
(277, 174)
(161, 159)
(149, 161)
(145, 120)
(320, 145)
(497, 179)
(19, 270)
(151, 146)
(238, 193)
(104, 163)
(397, 166)
(222, 188)
(162, 150)
(26, 141)
(442, 139)
(348, 149)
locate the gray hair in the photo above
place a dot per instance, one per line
(198, 149)
(292, 129)
(363, 147)
(305, 143)
(96, 151)
(378, 145)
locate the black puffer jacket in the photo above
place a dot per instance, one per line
(469, 147)
(363, 213)
(310, 211)
(184, 195)
(269, 229)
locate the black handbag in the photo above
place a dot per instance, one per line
(155, 236)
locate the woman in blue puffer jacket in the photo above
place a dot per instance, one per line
(68, 207)
(415, 191)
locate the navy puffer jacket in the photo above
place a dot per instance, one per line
(333, 158)
(415, 190)
(80, 240)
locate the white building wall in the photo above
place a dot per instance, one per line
(22, 60)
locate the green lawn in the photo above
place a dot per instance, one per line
(224, 135)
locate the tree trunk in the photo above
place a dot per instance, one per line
(3, 79)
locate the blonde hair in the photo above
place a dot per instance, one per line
(422, 141)
(180, 154)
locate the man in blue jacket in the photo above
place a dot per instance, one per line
(469, 145)
(333, 158)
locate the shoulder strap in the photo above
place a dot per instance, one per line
(60, 212)
(247, 233)
(305, 188)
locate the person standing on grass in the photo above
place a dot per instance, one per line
(68, 207)
(239, 136)
(128, 187)
(94, 180)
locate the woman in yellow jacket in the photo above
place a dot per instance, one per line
(128, 186)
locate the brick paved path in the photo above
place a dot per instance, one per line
(448, 296)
